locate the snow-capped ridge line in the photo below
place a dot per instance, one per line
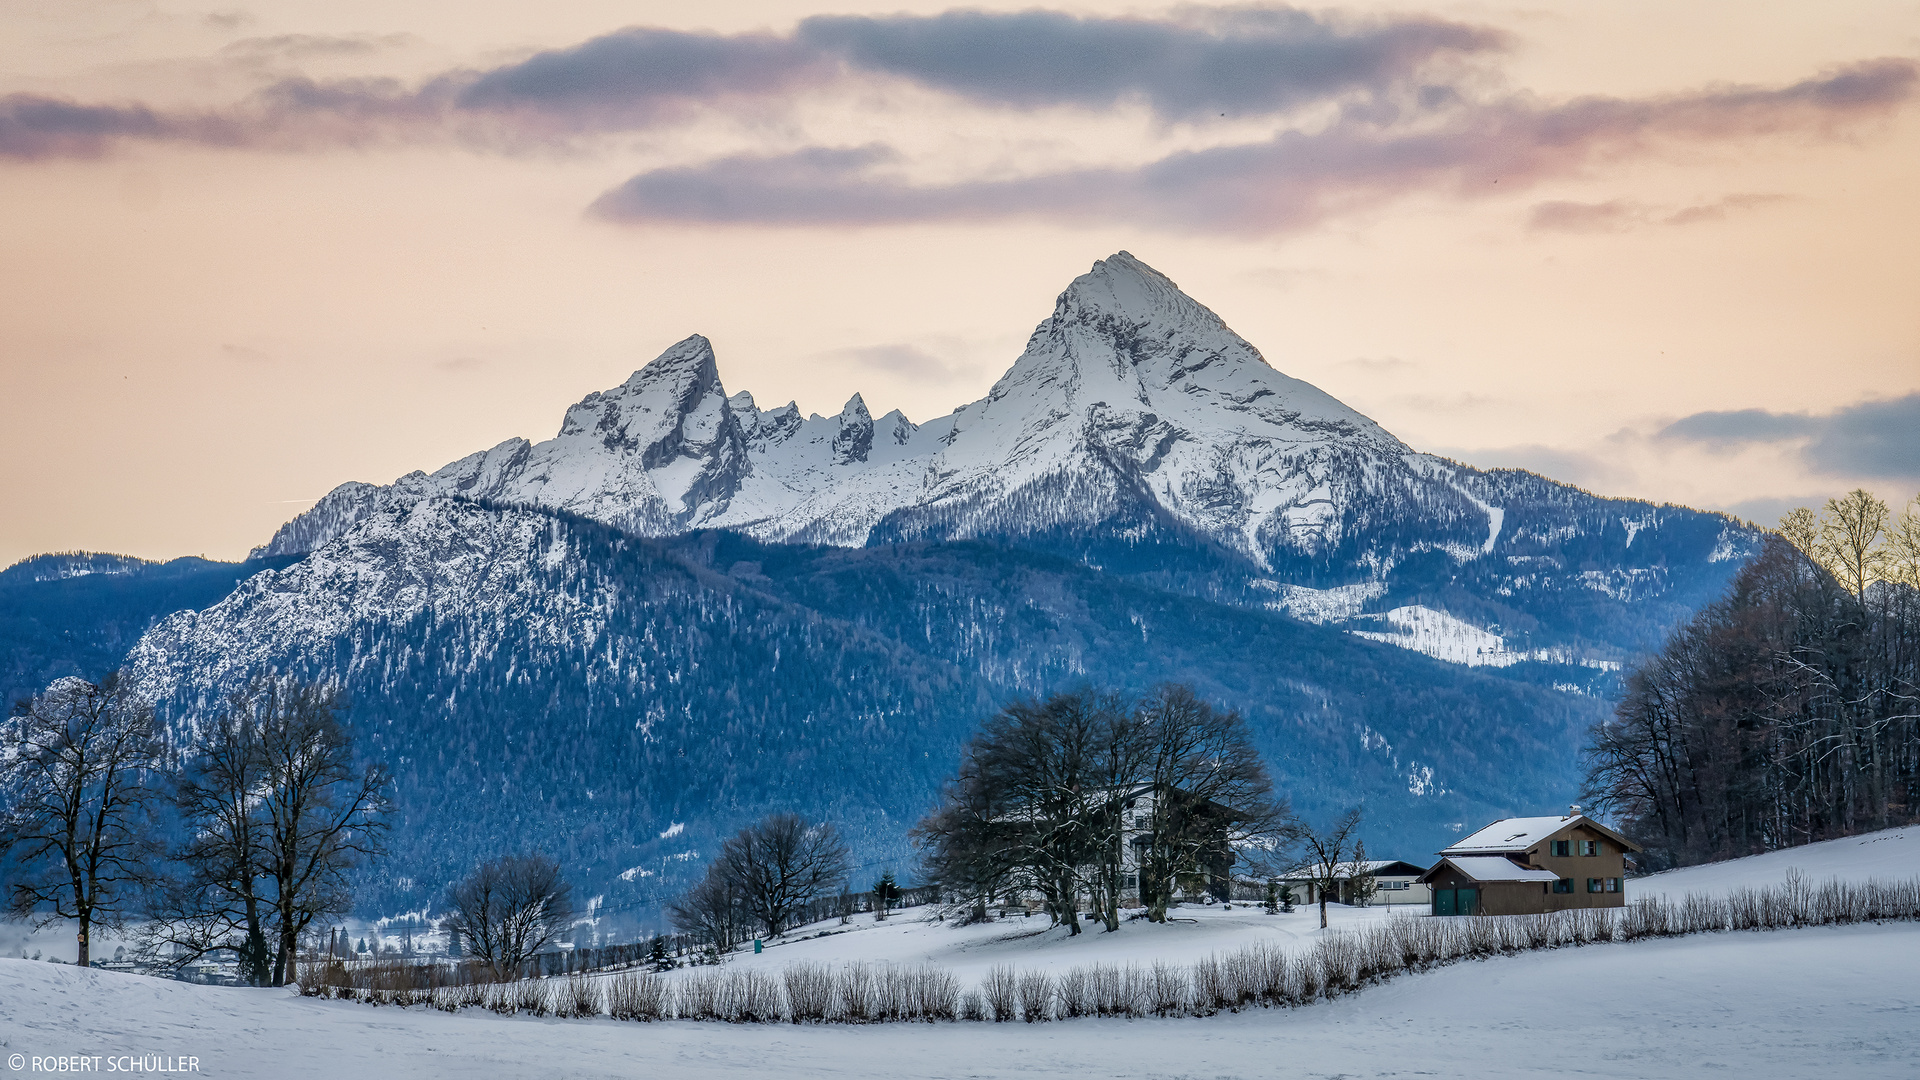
(1129, 375)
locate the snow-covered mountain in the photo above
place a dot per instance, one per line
(1130, 389)
(1136, 417)
(684, 608)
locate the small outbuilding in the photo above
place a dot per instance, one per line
(1526, 866)
(1395, 882)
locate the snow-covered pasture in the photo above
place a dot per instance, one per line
(1830, 1001)
(1665, 995)
(1889, 855)
(1265, 974)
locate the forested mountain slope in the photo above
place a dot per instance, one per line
(540, 680)
(78, 613)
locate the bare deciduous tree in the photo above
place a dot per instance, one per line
(1849, 540)
(221, 901)
(281, 812)
(1327, 851)
(509, 908)
(1054, 796)
(714, 912)
(325, 813)
(1787, 711)
(780, 865)
(1209, 789)
(78, 778)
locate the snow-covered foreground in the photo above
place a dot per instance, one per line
(1891, 855)
(1827, 1002)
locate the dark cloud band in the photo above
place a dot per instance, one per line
(1231, 60)
(1209, 60)
(1873, 439)
(1288, 181)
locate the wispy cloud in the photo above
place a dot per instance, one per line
(1620, 215)
(1291, 180)
(904, 360)
(1875, 439)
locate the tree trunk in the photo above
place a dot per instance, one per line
(1323, 908)
(84, 942)
(283, 961)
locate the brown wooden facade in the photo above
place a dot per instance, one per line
(1586, 862)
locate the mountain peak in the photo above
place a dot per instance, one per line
(1130, 390)
(1123, 287)
(686, 363)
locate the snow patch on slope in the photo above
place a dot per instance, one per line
(1447, 637)
(1323, 606)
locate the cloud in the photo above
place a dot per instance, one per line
(1619, 215)
(1201, 62)
(1721, 207)
(245, 354)
(309, 46)
(1292, 180)
(1875, 439)
(904, 360)
(632, 75)
(1559, 216)
(32, 126)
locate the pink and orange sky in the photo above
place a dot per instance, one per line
(252, 250)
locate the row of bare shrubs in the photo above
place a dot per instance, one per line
(1261, 975)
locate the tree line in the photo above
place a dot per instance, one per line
(1786, 712)
(240, 843)
(267, 813)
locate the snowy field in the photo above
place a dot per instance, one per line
(1829, 1002)
(915, 936)
(1822, 1002)
(1890, 855)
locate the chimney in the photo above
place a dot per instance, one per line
(1573, 811)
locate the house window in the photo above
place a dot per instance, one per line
(1613, 884)
(1564, 885)
(1593, 884)
(1562, 848)
(1589, 847)
(1392, 886)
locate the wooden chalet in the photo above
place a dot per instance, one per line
(1526, 866)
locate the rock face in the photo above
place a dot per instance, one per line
(1135, 425)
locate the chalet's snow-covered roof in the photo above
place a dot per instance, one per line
(1497, 868)
(1511, 834)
